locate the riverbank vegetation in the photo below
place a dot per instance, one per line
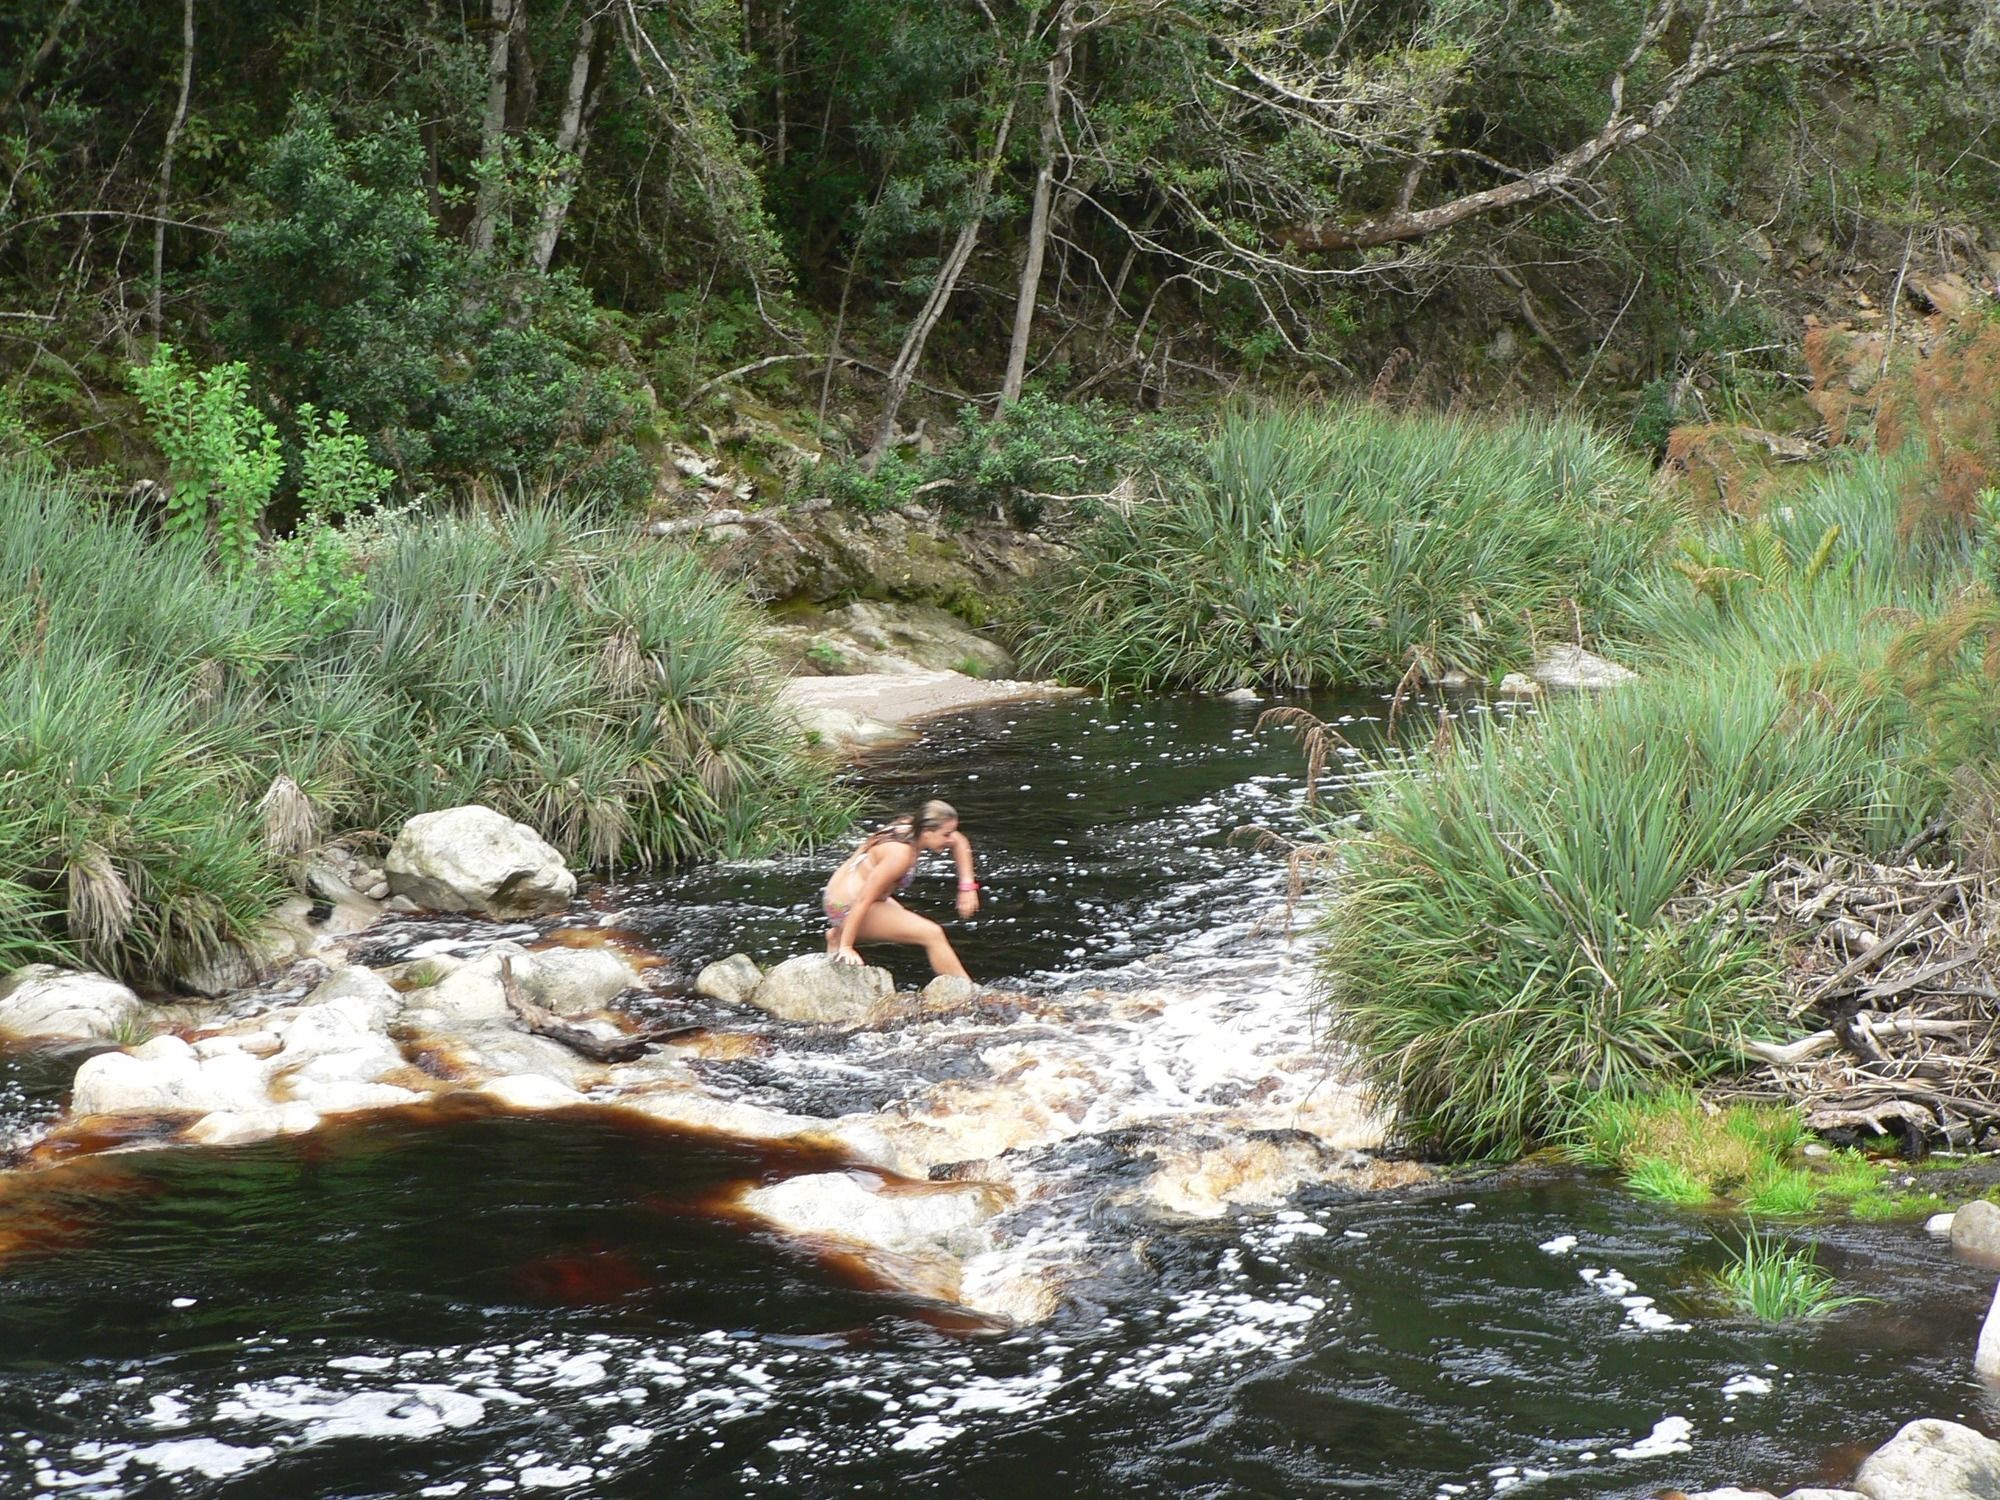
(1345, 544)
(178, 732)
(1530, 921)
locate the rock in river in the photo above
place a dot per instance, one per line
(815, 989)
(1975, 1232)
(473, 859)
(730, 979)
(42, 1000)
(1933, 1460)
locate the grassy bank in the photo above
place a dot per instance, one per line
(175, 736)
(1508, 937)
(1350, 544)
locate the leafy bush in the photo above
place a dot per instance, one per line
(342, 290)
(223, 456)
(609, 691)
(1350, 545)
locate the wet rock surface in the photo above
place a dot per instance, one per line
(474, 859)
(42, 1000)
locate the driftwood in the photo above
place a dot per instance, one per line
(1891, 971)
(544, 1022)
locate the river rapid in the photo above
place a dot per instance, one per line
(460, 1301)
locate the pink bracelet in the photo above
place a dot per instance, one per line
(968, 885)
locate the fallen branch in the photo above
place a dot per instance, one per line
(546, 1023)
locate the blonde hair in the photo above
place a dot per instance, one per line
(910, 826)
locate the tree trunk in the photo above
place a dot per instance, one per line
(167, 160)
(1038, 217)
(504, 15)
(572, 141)
(904, 370)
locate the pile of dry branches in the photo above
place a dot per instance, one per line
(1894, 982)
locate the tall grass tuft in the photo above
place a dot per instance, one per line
(1766, 1281)
(1501, 941)
(1350, 544)
(1505, 938)
(172, 739)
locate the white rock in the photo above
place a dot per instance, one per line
(530, 1091)
(1932, 1460)
(1817, 1493)
(908, 1220)
(1571, 668)
(1515, 685)
(571, 981)
(360, 993)
(1939, 1225)
(729, 980)
(474, 859)
(344, 1096)
(471, 994)
(1731, 1492)
(167, 1081)
(1986, 1358)
(43, 1000)
(497, 1051)
(1975, 1231)
(813, 988)
(948, 990)
(1242, 695)
(234, 1127)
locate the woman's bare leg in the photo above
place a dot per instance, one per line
(888, 921)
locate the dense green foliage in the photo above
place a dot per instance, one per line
(514, 239)
(1347, 545)
(610, 693)
(1504, 941)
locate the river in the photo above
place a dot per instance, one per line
(460, 1302)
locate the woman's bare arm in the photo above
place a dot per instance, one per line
(968, 884)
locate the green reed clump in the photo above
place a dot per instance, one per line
(1502, 940)
(1766, 1281)
(171, 737)
(1349, 544)
(1674, 1145)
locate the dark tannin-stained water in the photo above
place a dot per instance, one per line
(458, 1302)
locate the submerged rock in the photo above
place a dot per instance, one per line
(473, 859)
(729, 980)
(814, 989)
(42, 1000)
(1932, 1460)
(912, 1219)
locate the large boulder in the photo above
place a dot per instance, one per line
(471, 994)
(1932, 1460)
(814, 989)
(43, 1000)
(473, 859)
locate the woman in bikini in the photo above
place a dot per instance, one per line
(860, 906)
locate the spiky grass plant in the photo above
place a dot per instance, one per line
(170, 741)
(1788, 1192)
(1766, 1281)
(1350, 544)
(1502, 939)
(1666, 1182)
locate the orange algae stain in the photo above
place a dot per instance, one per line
(584, 1277)
(629, 945)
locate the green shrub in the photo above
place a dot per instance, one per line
(1349, 545)
(608, 690)
(1501, 942)
(223, 456)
